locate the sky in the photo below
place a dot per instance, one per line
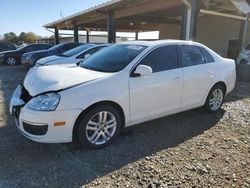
(30, 15)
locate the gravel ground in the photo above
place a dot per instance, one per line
(190, 149)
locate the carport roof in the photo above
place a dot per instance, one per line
(138, 15)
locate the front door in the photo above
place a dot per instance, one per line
(159, 93)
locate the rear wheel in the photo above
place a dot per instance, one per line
(11, 61)
(215, 99)
(99, 126)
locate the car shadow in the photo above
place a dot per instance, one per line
(25, 163)
(241, 91)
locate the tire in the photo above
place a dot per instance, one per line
(11, 61)
(98, 127)
(215, 99)
(243, 62)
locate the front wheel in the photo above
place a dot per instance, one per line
(243, 62)
(215, 99)
(99, 126)
(11, 61)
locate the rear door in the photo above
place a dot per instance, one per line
(198, 74)
(160, 92)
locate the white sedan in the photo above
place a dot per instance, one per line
(72, 56)
(121, 85)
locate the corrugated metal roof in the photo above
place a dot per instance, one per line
(102, 5)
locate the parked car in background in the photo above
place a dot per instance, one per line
(244, 57)
(73, 56)
(121, 85)
(13, 57)
(30, 59)
(5, 46)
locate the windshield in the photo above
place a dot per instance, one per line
(76, 50)
(113, 58)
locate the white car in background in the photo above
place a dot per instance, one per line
(244, 57)
(120, 86)
(72, 56)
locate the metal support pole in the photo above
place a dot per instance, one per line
(136, 35)
(56, 35)
(186, 21)
(87, 36)
(76, 37)
(111, 28)
(195, 9)
(243, 32)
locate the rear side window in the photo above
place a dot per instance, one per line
(191, 55)
(207, 56)
(162, 59)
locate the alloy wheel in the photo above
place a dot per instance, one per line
(216, 99)
(101, 128)
(11, 61)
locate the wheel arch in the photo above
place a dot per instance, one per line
(221, 83)
(82, 114)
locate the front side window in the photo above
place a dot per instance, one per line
(191, 55)
(162, 59)
(113, 58)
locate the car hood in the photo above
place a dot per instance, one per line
(58, 77)
(9, 51)
(48, 59)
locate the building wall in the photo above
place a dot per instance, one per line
(213, 31)
(92, 39)
(169, 31)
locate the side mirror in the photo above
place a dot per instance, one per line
(87, 56)
(142, 70)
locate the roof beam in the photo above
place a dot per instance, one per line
(146, 7)
(222, 14)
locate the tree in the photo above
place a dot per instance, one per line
(22, 38)
(11, 37)
(30, 37)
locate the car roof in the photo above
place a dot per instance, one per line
(160, 42)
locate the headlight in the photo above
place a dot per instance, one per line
(45, 102)
(1, 55)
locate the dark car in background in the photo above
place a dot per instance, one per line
(30, 59)
(73, 56)
(13, 57)
(5, 46)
